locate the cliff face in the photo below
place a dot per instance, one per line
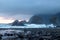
(40, 19)
(35, 19)
(58, 18)
(45, 19)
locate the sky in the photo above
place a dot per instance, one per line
(24, 9)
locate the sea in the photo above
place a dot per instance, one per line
(28, 26)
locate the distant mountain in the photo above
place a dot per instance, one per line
(45, 19)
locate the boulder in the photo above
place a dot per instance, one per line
(17, 23)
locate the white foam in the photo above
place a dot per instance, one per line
(28, 26)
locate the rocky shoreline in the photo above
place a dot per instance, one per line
(30, 34)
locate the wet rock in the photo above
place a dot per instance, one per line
(17, 23)
(36, 19)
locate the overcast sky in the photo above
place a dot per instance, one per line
(24, 9)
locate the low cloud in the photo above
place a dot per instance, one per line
(24, 8)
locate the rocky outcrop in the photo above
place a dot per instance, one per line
(45, 19)
(58, 18)
(35, 19)
(17, 23)
(40, 19)
(53, 20)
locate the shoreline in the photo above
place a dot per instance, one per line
(31, 29)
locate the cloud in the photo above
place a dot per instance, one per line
(28, 7)
(6, 20)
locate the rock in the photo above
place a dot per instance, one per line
(45, 19)
(35, 19)
(24, 21)
(17, 23)
(58, 18)
(21, 24)
(40, 19)
(55, 19)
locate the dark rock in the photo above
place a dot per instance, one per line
(17, 23)
(45, 19)
(58, 18)
(24, 21)
(41, 39)
(40, 19)
(55, 19)
(1, 36)
(21, 23)
(35, 19)
(57, 26)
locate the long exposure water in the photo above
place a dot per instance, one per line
(28, 26)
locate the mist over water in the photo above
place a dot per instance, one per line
(28, 26)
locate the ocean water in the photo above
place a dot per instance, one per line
(28, 26)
